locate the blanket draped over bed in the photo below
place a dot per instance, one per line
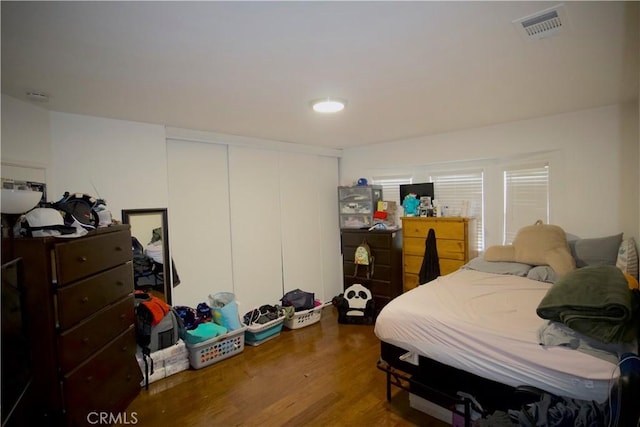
(595, 301)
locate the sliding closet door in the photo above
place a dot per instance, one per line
(330, 250)
(255, 226)
(199, 233)
(307, 230)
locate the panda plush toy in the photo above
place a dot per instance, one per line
(356, 305)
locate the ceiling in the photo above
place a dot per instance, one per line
(407, 69)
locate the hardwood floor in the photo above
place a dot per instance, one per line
(320, 375)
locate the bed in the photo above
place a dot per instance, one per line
(477, 331)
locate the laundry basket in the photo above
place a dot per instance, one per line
(304, 318)
(257, 333)
(208, 352)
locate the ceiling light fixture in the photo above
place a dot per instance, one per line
(37, 96)
(328, 105)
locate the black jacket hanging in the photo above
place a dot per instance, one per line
(430, 263)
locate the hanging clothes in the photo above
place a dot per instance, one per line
(430, 263)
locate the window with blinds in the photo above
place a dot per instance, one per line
(526, 198)
(391, 187)
(460, 191)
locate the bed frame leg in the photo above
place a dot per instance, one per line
(388, 387)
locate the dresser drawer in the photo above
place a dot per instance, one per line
(380, 272)
(83, 298)
(107, 381)
(86, 338)
(83, 257)
(372, 238)
(447, 248)
(450, 265)
(410, 281)
(412, 263)
(412, 275)
(380, 256)
(444, 229)
(383, 289)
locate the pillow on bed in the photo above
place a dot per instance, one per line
(542, 273)
(538, 244)
(628, 257)
(597, 251)
(498, 267)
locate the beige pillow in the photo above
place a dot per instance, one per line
(538, 244)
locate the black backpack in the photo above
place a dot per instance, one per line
(153, 335)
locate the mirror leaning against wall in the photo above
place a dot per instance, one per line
(152, 269)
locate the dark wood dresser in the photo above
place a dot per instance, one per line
(386, 248)
(79, 307)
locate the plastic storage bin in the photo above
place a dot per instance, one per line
(304, 318)
(258, 333)
(357, 205)
(216, 349)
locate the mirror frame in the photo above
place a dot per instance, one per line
(167, 273)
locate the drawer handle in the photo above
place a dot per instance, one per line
(123, 316)
(85, 300)
(89, 378)
(85, 340)
(119, 283)
(124, 348)
(82, 259)
(118, 248)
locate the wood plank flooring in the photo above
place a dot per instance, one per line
(320, 375)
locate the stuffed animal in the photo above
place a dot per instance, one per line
(410, 204)
(538, 244)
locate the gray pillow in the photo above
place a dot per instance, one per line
(542, 273)
(597, 251)
(498, 267)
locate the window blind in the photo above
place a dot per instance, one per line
(526, 198)
(391, 187)
(453, 189)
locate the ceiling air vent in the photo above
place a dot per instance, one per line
(546, 23)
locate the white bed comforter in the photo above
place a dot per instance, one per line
(486, 324)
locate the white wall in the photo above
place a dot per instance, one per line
(123, 162)
(594, 172)
(26, 140)
(25, 133)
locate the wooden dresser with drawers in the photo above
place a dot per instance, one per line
(455, 242)
(385, 282)
(79, 305)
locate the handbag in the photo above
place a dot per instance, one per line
(299, 299)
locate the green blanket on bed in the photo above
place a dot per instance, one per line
(595, 301)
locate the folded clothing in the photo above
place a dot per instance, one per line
(592, 300)
(262, 315)
(203, 332)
